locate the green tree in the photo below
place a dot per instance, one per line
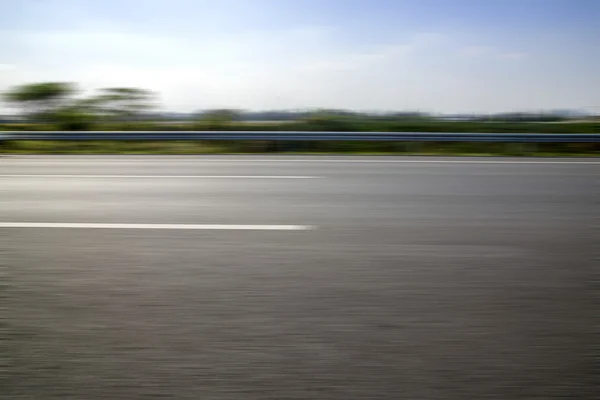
(329, 120)
(39, 101)
(122, 103)
(76, 116)
(220, 118)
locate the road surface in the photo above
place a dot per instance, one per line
(253, 277)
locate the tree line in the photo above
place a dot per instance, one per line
(60, 105)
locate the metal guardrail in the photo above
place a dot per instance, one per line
(306, 136)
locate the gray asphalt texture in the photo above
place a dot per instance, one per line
(425, 278)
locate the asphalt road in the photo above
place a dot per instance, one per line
(259, 277)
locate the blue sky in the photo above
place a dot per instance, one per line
(430, 55)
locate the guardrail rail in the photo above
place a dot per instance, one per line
(305, 136)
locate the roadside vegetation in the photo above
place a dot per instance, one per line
(60, 106)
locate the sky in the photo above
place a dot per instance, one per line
(447, 56)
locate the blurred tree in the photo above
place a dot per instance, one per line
(219, 118)
(121, 103)
(330, 120)
(40, 100)
(77, 116)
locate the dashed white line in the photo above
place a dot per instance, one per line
(159, 176)
(363, 161)
(462, 162)
(195, 227)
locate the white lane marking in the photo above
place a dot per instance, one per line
(221, 227)
(405, 161)
(459, 162)
(160, 176)
(346, 161)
